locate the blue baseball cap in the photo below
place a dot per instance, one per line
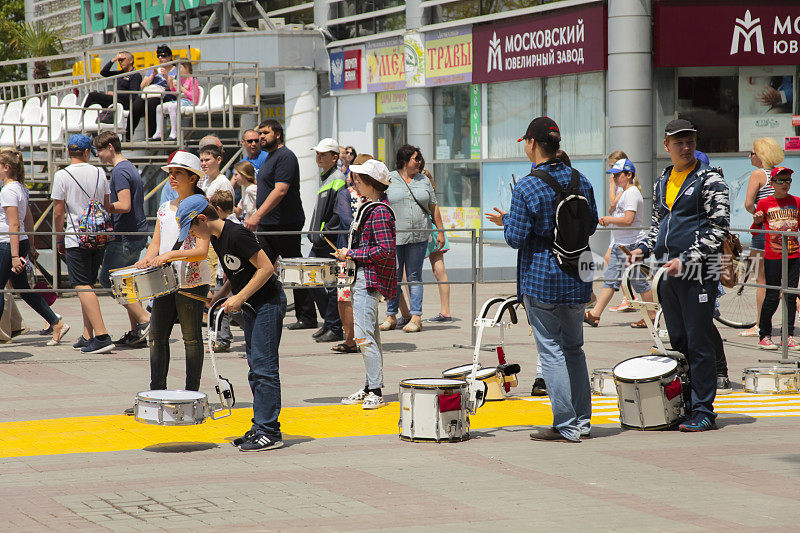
(622, 165)
(80, 142)
(188, 210)
(700, 156)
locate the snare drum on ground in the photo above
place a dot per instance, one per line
(433, 409)
(494, 384)
(131, 284)
(650, 392)
(459, 372)
(171, 407)
(771, 380)
(307, 272)
(603, 382)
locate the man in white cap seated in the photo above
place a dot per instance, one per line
(326, 218)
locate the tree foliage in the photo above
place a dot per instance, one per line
(11, 12)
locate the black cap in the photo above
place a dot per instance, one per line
(539, 129)
(163, 50)
(679, 126)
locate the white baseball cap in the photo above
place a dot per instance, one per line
(374, 169)
(183, 159)
(327, 145)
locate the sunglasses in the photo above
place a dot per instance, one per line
(251, 140)
(781, 181)
(752, 154)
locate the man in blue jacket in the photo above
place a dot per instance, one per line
(555, 300)
(691, 217)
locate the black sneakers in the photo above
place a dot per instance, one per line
(258, 443)
(723, 385)
(99, 344)
(539, 387)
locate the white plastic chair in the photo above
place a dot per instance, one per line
(215, 102)
(32, 112)
(56, 133)
(239, 94)
(9, 133)
(189, 109)
(90, 117)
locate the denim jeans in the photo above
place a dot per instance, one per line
(262, 335)
(558, 329)
(367, 332)
(688, 308)
(409, 258)
(20, 281)
(327, 301)
(190, 315)
(120, 254)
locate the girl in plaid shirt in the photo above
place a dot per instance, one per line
(371, 244)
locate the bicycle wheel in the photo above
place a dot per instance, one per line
(737, 307)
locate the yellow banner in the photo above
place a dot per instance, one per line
(391, 102)
(448, 57)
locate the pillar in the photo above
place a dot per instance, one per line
(301, 130)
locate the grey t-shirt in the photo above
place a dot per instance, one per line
(410, 216)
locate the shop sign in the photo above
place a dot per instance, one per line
(564, 42)
(732, 34)
(97, 15)
(474, 121)
(385, 65)
(791, 143)
(346, 70)
(414, 53)
(448, 57)
(274, 111)
(391, 102)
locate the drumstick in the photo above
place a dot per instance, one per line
(194, 296)
(624, 250)
(329, 242)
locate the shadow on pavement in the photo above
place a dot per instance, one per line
(735, 420)
(399, 347)
(14, 356)
(337, 400)
(180, 447)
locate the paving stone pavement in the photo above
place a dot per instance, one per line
(744, 477)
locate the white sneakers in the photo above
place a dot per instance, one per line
(367, 400)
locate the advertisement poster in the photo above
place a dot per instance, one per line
(414, 50)
(766, 103)
(474, 121)
(386, 65)
(448, 57)
(460, 217)
(391, 102)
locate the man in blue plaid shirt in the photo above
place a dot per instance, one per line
(554, 300)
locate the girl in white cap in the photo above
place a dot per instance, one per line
(371, 244)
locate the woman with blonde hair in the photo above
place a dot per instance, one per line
(15, 217)
(765, 156)
(244, 175)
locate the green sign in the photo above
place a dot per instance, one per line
(97, 15)
(474, 121)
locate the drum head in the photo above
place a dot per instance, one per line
(432, 383)
(171, 395)
(645, 367)
(773, 370)
(315, 261)
(459, 370)
(486, 373)
(127, 271)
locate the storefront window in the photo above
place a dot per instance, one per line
(511, 106)
(711, 103)
(473, 8)
(457, 184)
(576, 103)
(451, 122)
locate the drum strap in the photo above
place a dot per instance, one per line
(360, 220)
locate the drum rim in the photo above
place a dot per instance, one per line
(675, 370)
(770, 370)
(459, 366)
(604, 370)
(139, 270)
(203, 396)
(488, 375)
(653, 428)
(459, 383)
(433, 440)
(305, 261)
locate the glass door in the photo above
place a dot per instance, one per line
(390, 134)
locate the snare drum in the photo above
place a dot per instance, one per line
(771, 380)
(459, 372)
(603, 382)
(307, 272)
(650, 392)
(494, 384)
(433, 409)
(131, 284)
(345, 273)
(171, 407)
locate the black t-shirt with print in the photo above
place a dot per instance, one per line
(235, 246)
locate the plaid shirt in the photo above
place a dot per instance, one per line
(529, 227)
(376, 251)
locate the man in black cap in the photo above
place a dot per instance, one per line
(163, 81)
(691, 217)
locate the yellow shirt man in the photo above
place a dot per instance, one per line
(674, 184)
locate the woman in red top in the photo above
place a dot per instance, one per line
(371, 244)
(779, 212)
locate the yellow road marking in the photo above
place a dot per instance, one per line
(118, 432)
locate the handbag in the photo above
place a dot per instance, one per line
(731, 249)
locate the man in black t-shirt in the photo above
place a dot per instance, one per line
(251, 278)
(280, 209)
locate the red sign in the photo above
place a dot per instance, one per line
(735, 34)
(795, 120)
(352, 69)
(565, 42)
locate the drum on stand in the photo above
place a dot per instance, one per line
(171, 407)
(433, 410)
(603, 382)
(131, 284)
(650, 392)
(307, 272)
(771, 380)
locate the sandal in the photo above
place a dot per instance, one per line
(388, 324)
(344, 348)
(59, 335)
(412, 327)
(639, 325)
(590, 319)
